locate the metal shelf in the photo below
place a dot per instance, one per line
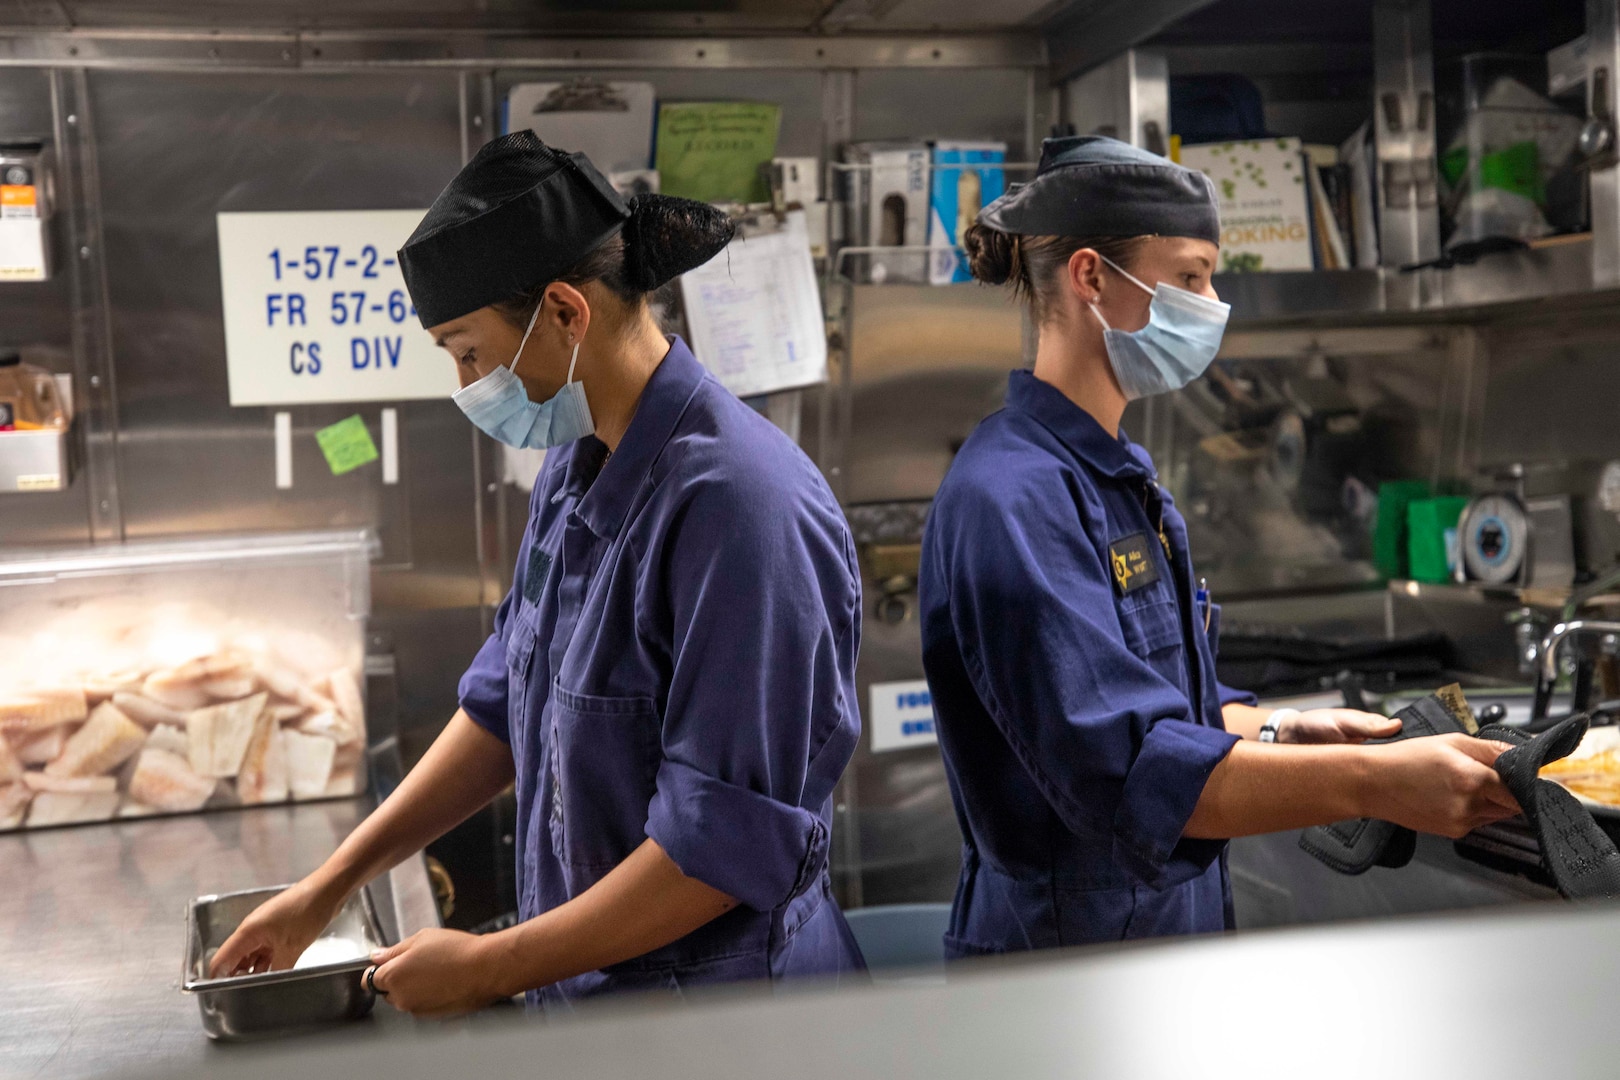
(1553, 597)
(1561, 267)
(1492, 286)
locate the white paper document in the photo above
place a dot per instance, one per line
(754, 313)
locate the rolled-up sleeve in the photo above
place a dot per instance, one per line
(1110, 741)
(762, 597)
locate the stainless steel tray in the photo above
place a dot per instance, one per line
(271, 1003)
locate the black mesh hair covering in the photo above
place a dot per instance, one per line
(665, 237)
(520, 212)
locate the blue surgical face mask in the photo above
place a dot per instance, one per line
(1181, 338)
(500, 406)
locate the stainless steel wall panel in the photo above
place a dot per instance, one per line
(927, 364)
(37, 317)
(1553, 391)
(174, 151)
(968, 104)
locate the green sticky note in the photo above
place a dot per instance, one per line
(347, 445)
(713, 150)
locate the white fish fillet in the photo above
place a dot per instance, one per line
(219, 735)
(36, 710)
(170, 738)
(14, 799)
(135, 810)
(280, 681)
(70, 785)
(42, 748)
(343, 782)
(62, 808)
(332, 725)
(346, 696)
(313, 701)
(263, 778)
(216, 665)
(99, 688)
(106, 741)
(174, 690)
(229, 687)
(286, 683)
(284, 712)
(144, 710)
(309, 763)
(11, 769)
(164, 781)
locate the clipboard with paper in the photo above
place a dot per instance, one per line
(754, 315)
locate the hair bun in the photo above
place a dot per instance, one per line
(666, 236)
(990, 253)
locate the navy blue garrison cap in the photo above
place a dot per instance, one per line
(1090, 185)
(518, 215)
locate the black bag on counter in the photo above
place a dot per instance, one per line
(1281, 660)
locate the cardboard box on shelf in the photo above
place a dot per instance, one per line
(967, 176)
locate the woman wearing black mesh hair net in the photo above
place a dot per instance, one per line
(670, 683)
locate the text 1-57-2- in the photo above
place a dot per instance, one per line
(323, 261)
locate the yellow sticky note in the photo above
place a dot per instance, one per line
(347, 445)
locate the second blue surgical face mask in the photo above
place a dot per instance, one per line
(1181, 338)
(500, 407)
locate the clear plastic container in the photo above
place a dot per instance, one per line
(150, 678)
(1507, 152)
(29, 398)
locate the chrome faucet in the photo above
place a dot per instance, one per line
(1548, 676)
(1574, 628)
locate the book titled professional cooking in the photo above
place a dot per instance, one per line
(1264, 202)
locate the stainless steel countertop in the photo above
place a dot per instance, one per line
(92, 931)
(1530, 993)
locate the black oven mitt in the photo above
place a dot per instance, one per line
(1354, 847)
(1576, 853)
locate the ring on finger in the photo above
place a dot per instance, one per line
(369, 981)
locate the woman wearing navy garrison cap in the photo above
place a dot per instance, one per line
(671, 679)
(1096, 764)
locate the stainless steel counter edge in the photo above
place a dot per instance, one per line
(93, 929)
(1515, 994)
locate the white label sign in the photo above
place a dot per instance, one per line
(316, 310)
(901, 716)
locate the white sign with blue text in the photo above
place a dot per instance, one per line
(316, 310)
(901, 716)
